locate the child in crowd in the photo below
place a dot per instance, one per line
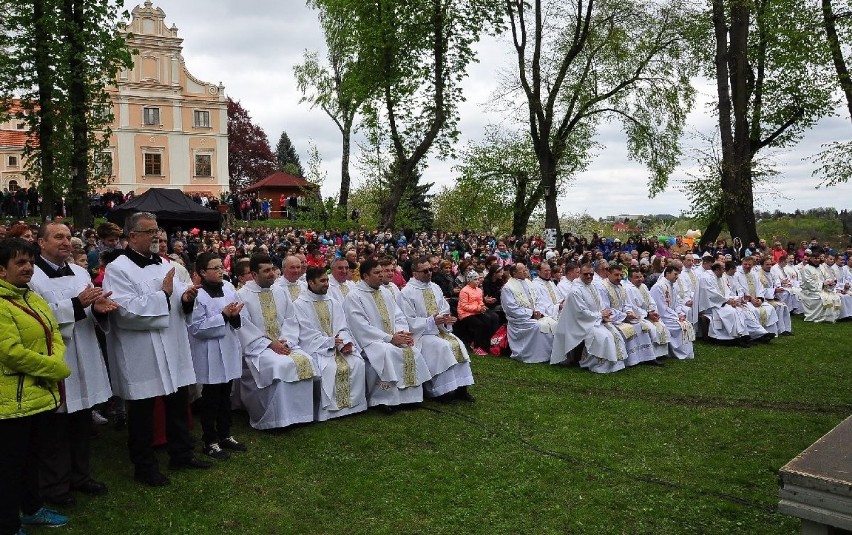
(216, 354)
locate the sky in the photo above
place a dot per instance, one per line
(251, 47)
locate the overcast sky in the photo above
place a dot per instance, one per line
(252, 45)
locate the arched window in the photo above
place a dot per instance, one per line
(13, 185)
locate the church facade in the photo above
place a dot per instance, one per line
(170, 129)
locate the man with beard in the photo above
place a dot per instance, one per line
(148, 348)
(325, 336)
(428, 315)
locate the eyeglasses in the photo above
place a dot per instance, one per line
(149, 232)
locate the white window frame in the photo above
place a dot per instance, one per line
(12, 161)
(100, 170)
(196, 155)
(152, 152)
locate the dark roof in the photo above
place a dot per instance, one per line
(280, 179)
(172, 208)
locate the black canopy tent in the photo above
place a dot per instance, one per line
(172, 208)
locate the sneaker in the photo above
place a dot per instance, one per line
(213, 450)
(98, 418)
(44, 517)
(232, 444)
(480, 352)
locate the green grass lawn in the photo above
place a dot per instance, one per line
(693, 447)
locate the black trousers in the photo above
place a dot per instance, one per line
(64, 451)
(215, 412)
(18, 470)
(481, 327)
(140, 430)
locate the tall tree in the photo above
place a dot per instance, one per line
(286, 156)
(336, 87)
(59, 56)
(416, 53)
(834, 164)
(250, 158)
(772, 83)
(504, 167)
(580, 63)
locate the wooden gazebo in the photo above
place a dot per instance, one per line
(284, 190)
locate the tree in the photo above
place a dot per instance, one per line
(250, 158)
(415, 53)
(834, 164)
(287, 158)
(59, 56)
(336, 88)
(772, 83)
(584, 62)
(505, 167)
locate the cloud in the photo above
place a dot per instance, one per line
(252, 47)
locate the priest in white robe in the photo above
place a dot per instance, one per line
(644, 306)
(148, 348)
(674, 314)
(687, 287)
(775, 295)
(779, 276)
(548, 299)
(569, 280)
(396, 370)
(727, 319)
(753, 292)
(585, 321)
(637, 340)
(818, 298)
(75, 303)
(325, 336)
(340, 283)
(428, 315)
(530, 330)
(277, 384)
(832, 273)
(291, 279)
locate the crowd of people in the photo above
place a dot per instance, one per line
(295, 326)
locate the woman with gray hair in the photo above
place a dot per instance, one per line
(475, 318)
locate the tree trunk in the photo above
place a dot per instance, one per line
(79, 193)
(523, 208)
(708, 238)
(46, 112)
(399, 184)
(345, 180)
(837, 53)
(547, 164)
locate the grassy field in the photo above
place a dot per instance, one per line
(693, 447)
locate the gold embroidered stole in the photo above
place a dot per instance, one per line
(692, 278)
(431, 310)
(668, 294)
(295, 290)
(549, 287)
(270, 316)
(342, 386)
(409, 377)
(273, 332)
(752, 287)
(616, 337)
(344, 289)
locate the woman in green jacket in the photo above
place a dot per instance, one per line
(31, 370)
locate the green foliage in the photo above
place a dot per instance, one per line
(412, 57)
(694, 447)
(99, 48)
(834, 166)
(287, 158)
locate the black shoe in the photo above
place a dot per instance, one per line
(444, 398)
(91, 487)
(191, 463)
(152, 479)
(213, 450)
(787, 333)
(61, 500)
(230, 443)
(766, 338)
(387, 410)
(463, 395)
(654, 362)
(744, 341)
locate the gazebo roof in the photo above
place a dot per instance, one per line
(280, 179)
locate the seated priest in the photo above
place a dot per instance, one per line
(530, 330)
